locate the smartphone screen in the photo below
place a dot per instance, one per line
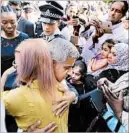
(74, 40)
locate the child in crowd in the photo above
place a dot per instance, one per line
(101, 60)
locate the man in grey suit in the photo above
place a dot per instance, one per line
(23, 24)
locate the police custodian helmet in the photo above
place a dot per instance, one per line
(50, 13)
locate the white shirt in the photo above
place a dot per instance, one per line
(65, 32)
(126, 38)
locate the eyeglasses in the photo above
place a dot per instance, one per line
(14, 64)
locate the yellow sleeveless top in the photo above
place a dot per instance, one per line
(28, 106)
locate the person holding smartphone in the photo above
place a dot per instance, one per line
(115, 116)
(117, 11)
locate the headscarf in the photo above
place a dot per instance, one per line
(121, 83)
(122, 57)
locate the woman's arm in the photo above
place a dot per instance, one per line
(113, 115)
(5, 75)
(116, 103)
(113, 123)
(48, 129)
(62, 104)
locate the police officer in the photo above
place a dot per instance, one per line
(50, 18)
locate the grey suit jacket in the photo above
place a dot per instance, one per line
(26, 27)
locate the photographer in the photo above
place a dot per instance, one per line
(116, 13)
(75, 24)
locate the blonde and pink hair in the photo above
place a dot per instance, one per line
(36, 63)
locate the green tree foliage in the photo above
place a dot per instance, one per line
(108, 1)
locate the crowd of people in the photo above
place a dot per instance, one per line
(64, 68)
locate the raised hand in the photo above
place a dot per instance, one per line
(115, 102)
(49, 128)
(62, 104)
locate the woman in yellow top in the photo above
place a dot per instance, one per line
(34, 100)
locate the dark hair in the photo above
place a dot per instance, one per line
(7, 9)
(14, 2)
(125, 8)
(110, 43)
(25, 3)
(29, 6)
(82, 65)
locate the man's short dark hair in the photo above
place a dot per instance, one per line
(125, 8)
(14, 2)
